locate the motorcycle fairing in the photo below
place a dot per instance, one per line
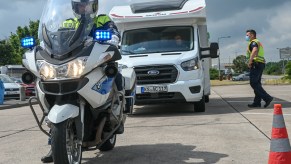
(60, 113)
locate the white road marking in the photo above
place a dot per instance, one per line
(263, 114)
(251, 101)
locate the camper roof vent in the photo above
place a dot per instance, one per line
(156, 6)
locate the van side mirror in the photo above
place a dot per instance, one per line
(210, 51)
(213, 50)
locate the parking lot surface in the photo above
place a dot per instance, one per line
(228, 132)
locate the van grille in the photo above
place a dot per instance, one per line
(158, 74)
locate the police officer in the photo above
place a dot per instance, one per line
(2, 90)
(101, 22)
(256, 64)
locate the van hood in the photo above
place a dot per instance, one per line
(173, 58)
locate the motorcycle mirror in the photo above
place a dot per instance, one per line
(102, 35)
(28, 42)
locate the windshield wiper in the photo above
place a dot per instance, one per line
(128, 51)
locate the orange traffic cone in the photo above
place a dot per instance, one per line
(280, 152)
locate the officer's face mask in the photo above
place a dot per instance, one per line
(248, 38)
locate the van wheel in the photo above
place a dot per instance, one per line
(206, 98)
(200, 105)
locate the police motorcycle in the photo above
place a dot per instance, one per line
(75, 75)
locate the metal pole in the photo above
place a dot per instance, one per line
(219, 74)
(219, 61)
(22, 95)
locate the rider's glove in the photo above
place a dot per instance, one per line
(114, 40)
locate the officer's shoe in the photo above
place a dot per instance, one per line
(268, 102)
(254, 105)
(48, 158)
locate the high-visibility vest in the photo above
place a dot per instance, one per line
(101, 20)
(71, 23)
(260, 57)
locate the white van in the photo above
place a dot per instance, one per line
(166, 42)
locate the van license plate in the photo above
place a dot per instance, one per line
(11, 92)
(154, 89)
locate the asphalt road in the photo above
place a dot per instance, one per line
(228, 132)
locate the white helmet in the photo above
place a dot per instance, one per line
(85, 7)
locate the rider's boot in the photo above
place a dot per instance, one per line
(48, 158)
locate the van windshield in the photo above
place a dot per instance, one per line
(157, 40)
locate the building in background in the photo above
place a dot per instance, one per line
(13, 70)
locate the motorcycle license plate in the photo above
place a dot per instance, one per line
(154, 89)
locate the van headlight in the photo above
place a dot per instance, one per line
(70, 70)
(190, 65)
(121, 66)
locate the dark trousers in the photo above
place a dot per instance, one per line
(256, 72)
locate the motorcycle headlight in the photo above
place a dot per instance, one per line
(190, 65)
(76, 68)
(72, 69)
(47, 71)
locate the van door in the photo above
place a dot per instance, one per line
(206, 62)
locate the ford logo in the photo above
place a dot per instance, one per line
(153, 72)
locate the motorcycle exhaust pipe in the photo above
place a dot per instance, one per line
(27, 78)
(111, 70)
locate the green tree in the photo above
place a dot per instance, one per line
(33, 29)
(22, 32)
(240, 64)
(213, 74)
(7, 53)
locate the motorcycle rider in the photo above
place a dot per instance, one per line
(101, 22)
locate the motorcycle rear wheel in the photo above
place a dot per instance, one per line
(65, 146)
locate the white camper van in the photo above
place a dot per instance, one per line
(166, 42)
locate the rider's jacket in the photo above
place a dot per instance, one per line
(101, 22)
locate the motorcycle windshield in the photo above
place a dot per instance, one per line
(62, 29)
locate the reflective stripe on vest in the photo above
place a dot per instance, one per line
(71, 23)
(260, 56)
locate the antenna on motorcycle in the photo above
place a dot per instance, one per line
(102, 35)
(28, 42)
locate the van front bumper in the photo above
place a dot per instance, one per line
(181, 91)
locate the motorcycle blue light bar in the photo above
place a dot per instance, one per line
(103, 35)
(28, 42)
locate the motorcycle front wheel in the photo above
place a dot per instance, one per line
(65, 146)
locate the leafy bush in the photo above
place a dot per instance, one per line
(273, 70)
(213, 74)
(288, 70)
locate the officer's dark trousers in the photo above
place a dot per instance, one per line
(256, 72)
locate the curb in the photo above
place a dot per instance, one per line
(10, 106)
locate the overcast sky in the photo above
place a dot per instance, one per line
(270, 18)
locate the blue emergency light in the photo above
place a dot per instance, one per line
(102, 35)
(28, 42)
